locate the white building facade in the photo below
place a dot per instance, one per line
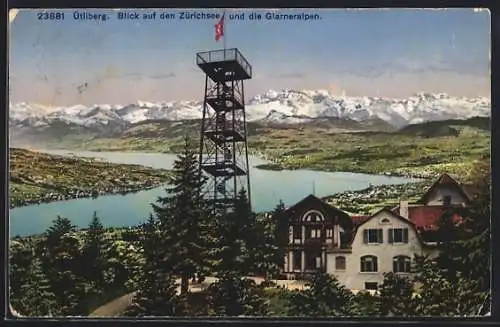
(386, 242)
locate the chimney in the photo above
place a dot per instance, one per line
(403, 209)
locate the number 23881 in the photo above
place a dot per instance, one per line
(50, 15)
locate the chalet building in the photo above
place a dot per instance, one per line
(445, 193)
(358, 250)
(313, 227)
(382, 243)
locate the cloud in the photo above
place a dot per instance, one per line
(438, 64)
(297, 75)
(162, 76)
(434, 65)
(136, 75)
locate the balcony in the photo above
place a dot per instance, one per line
(224, 168)
(226, 102)
(224, 65)
(225, 132)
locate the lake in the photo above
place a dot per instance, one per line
(267, 188)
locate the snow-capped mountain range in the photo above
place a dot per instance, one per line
(286, 107)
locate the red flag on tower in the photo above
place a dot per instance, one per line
(219, 28)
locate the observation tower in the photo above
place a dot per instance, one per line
(223, 141)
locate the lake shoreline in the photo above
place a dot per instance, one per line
(126, 210)
(278, 167)
(270, 165)
(82, 194)
(38, 177)
(381, 192)
(52, 197)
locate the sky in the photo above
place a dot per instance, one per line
(390, 53)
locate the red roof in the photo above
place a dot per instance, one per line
(427, 217)
(359, 219)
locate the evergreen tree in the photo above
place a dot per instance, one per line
(475, 249)
(280, 233)
(235, 296)
(62, 261)
(94, 250)
(396, 296)
(60, 227)
(466, 255)
(366, 305)
(156, 294)
(182, 218)
(246, 229)
(324, 297)
(236, 235)
(265, 252)
(448, 234)
(68, 284)
(437, 296)
(35, 298)
(21, 256)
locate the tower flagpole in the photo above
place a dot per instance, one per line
(225, 32)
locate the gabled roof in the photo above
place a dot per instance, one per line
(447, 180)
(345, 218)
(395, 215)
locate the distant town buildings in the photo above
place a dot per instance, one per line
(358, 250)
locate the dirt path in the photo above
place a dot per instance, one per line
(114, 308)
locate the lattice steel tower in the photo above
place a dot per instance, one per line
(223, 143)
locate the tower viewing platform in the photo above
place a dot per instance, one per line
(223, 141)
(224, 65)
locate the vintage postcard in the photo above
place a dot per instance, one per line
(244, 163)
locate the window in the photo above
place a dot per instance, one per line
(340, 263)
(401, 264)
(385, 221)
(313, 232)
(296, 232)
(371, 286)
(369, 263)
(313, 216)
(329, 232)
(447, 200)
(373, 236)
(297, 260)
(318, 262)
(398, 235)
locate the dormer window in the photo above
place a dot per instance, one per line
(447, 200)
